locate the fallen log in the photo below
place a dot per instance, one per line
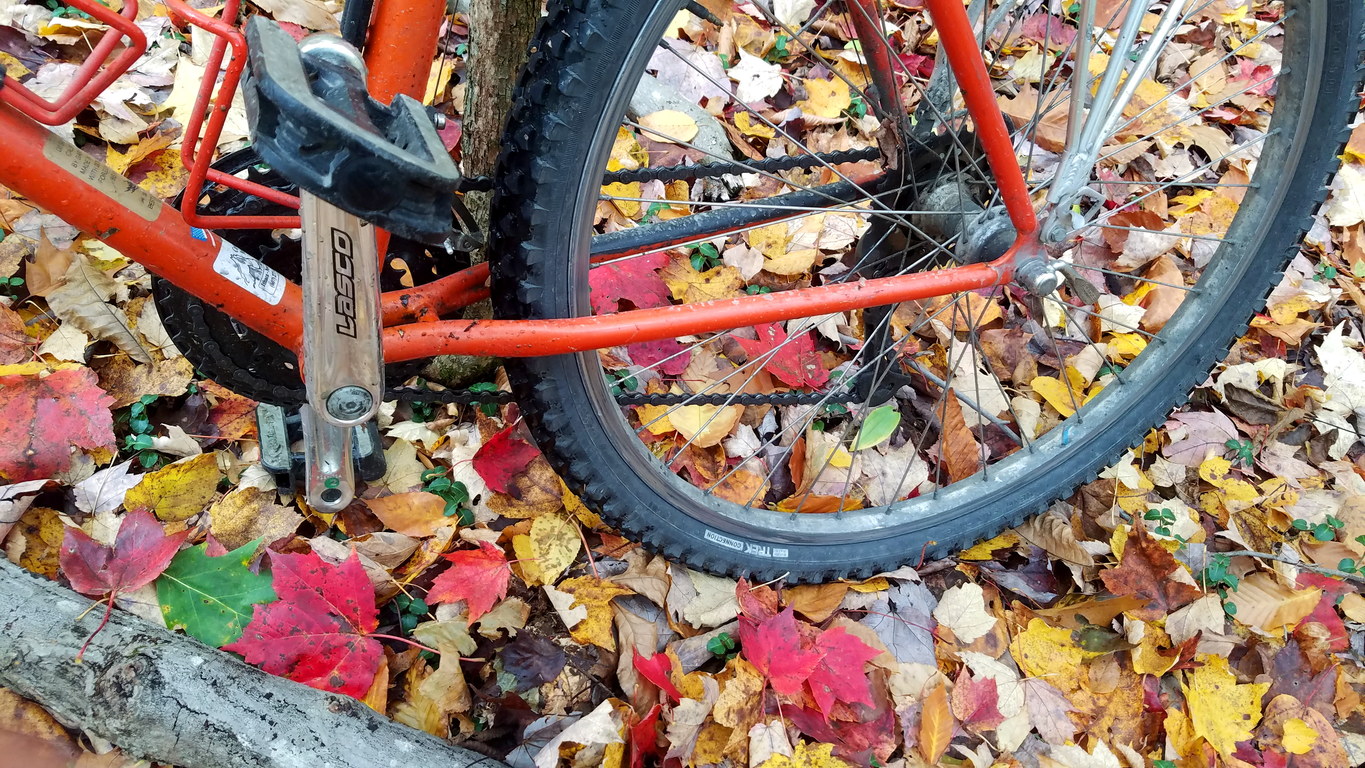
(169, 698)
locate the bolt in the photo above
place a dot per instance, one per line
(349, 402)
(1038, 277)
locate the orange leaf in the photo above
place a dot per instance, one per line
(1144, 572)
(936, 724)
(961, 452)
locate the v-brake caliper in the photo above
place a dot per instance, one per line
(359, 165)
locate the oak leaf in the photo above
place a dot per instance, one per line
(478, 576)
(318, 632)
(1143, 573)
(46, 414)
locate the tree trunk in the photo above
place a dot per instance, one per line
(499, 33)
(169, 698)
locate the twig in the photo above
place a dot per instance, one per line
(1357, 578)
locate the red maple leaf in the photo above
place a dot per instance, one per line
(775, 649)
(976, 702)
(45, 416)
(667, 356)
(317, 633)
(655, 669)
(502, 458)
(141, 551)
(644, 737)
(635, 280)
(478, 576)
(839, 675)
(795, 362)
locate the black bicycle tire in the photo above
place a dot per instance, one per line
(559, 106)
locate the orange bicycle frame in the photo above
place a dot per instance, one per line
(402, 38)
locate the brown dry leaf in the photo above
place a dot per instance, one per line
(1162, 301)
(646, 575)
(1266, 604)
(817, 602)
(1144, 571)
(1057, 538)
(127, 381)
(377, 698)
(83, 301)
(247, 514)
(936, 724)
(27, 730)
(232, 414)
(536, 491)
(1318, 744)
(961, 452)
(48, 269)
(416, 513)
(596, 595)
(178, 491)
(1021, 108)
(739, 706)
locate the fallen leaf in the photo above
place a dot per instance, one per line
(554, 545)
(416, 513)
(211, 597)
(1221, 710)
(47, 415)
(792, 360)
(936, 724)
(774, 647)
(962, 609)
(1144, 572)
(317, 633)
(502, 458)
(177, 491)
(478, 576)
(104, 491)
(248, 513)
(596, 595)
(839, 675)
(140, 553)
(669, 125)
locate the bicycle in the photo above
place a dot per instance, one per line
(1004, 287)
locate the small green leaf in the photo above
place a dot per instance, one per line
(1301, 525)
(1162, 764)
(1324, 532)
(1358, 269)
(878, 427)
(1347, 564)
(1230, 608)
(211, 598)
(1335, 522)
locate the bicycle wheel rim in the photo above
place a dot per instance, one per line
(980, 499)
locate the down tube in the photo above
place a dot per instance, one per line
(92, 197)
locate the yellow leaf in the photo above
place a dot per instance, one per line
(554, 544)
(688, 285)
(1299, 737)
(1050, 653)
(1213, 469)
(13, 67)
(178, 491)
(826, 98)
(168, 176)
(705, 425)
(986, 550)
(807, 756)
(1057, 394)
(596, 595)
(526, 566)
(1266, 604)
(936, 726)
(750, 126)
(1221, 710)
(655, 418)
(414, 514)
(1123, 347)
(669, 125)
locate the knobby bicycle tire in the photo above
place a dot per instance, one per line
(569, 103)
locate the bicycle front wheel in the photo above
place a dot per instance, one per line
(659, 155)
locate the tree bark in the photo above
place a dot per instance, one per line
(499, 34)
(169, 698)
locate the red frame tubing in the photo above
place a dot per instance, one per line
(92, 77)
(964, 54)
(163, 244)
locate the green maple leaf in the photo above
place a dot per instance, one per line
(211, 597)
